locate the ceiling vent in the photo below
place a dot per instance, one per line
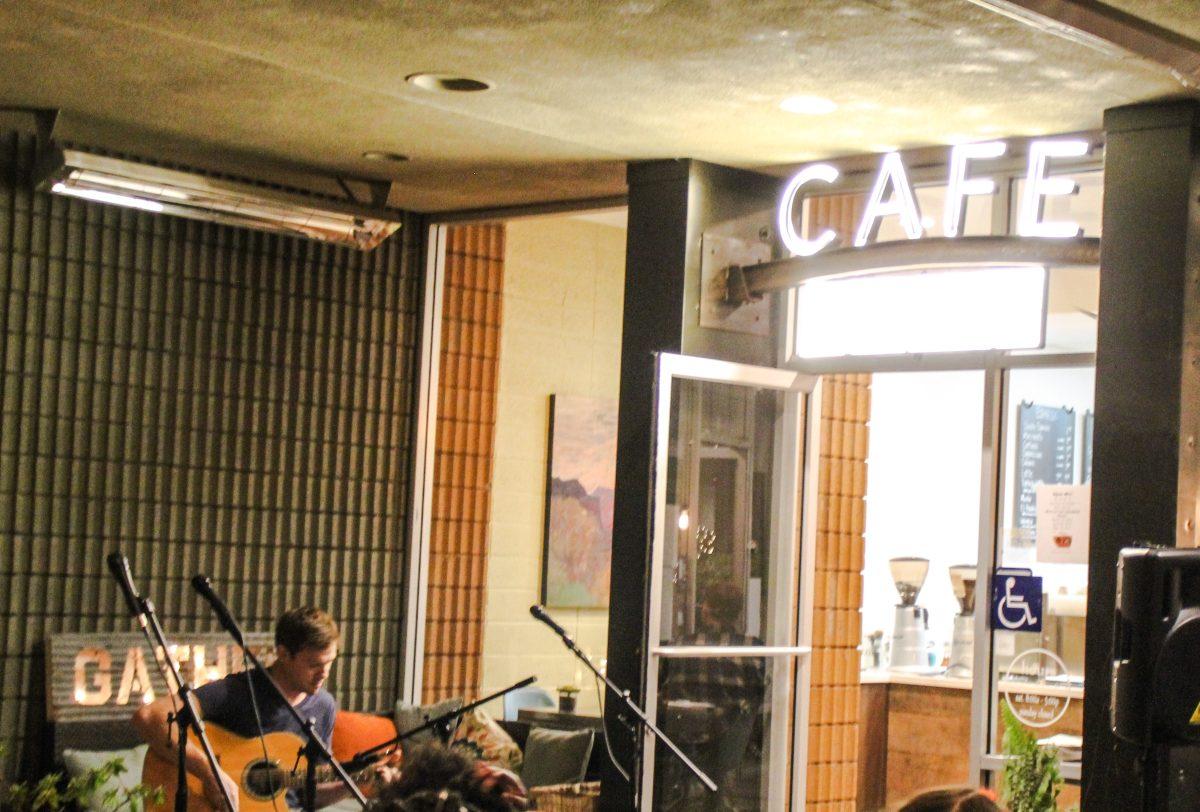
(213, 199)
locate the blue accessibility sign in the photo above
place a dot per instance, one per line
(1016, 603)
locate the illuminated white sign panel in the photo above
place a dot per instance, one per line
(935, 310)
(891, 195)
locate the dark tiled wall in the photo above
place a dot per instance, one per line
(206, 399)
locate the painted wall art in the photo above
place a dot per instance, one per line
(579, 502)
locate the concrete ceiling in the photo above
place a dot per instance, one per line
(285, 89)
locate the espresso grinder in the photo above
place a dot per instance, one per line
(911, 630)
(962, 643)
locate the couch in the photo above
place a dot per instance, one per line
(353, 732)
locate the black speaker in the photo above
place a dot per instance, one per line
(1156, 647)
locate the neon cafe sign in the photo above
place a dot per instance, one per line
(987, 306)
(892, 195)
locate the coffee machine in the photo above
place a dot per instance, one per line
(911, 631)
(962, 643)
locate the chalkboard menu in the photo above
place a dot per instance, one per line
(1045, 453)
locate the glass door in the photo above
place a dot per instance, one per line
(1040, 571)
(728, 638)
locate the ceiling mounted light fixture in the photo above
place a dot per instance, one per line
(384, 156)
(200, 197)
(808, 105)
(446, 83)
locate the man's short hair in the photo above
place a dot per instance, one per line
(306, 627)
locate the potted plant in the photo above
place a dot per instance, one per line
(566, 698)
(95, 785)
(1032, 780)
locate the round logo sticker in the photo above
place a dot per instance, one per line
(1030, 701)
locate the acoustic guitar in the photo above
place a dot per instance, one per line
(262, 780)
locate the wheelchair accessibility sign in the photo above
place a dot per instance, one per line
(1016, 603)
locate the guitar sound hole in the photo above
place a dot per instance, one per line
(263, 780)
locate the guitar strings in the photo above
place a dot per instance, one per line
(262, 736)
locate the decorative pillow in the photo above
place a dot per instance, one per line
(411, 716)
(482, 739)
(78, 762)
(355, 732)
(556, 756)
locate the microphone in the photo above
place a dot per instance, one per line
(118, 564)
(203, 586)
(540, 613)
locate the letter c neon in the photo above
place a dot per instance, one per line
(797, 245)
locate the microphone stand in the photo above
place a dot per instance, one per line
(186, 716)
(364, 758)
(314, 749)
(541, 614)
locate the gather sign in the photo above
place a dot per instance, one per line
(107, 675)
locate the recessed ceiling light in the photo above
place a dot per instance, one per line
(808, 105)
(383, 155)
(446, 83)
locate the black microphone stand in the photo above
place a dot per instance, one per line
(360, 760)
(541, 614)
(314, 749)
(186, 715)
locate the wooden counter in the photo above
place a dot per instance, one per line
(915, 733)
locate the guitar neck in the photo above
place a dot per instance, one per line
(295, 780)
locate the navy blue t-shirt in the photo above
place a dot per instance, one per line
(226, 702)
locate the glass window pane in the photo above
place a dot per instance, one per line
(717, 576)
(931, 203)
(843, 213)
(720, 713)
(1047, 443)
(1072, 303)
(922, 502)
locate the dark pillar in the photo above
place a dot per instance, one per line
(1147, 391)
(671, 205)
(656, 243)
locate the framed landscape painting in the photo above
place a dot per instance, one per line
(581, 474)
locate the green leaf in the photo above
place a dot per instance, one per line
(1031, 780)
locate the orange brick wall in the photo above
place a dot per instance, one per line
(471, 310)
(837, 599)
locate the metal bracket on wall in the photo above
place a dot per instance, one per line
(378, 190)
(725, 302)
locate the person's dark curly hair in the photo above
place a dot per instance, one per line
(434, 778)
(951, 799)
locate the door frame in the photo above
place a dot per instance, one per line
(796, 458)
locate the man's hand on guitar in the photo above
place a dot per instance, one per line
(501, 783)
(212, 791)
(386, 770)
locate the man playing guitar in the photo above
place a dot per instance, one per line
(306, 644)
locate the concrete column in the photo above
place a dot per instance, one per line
(1147, 391)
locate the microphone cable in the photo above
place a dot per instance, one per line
(262, 735)
(607, 739)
